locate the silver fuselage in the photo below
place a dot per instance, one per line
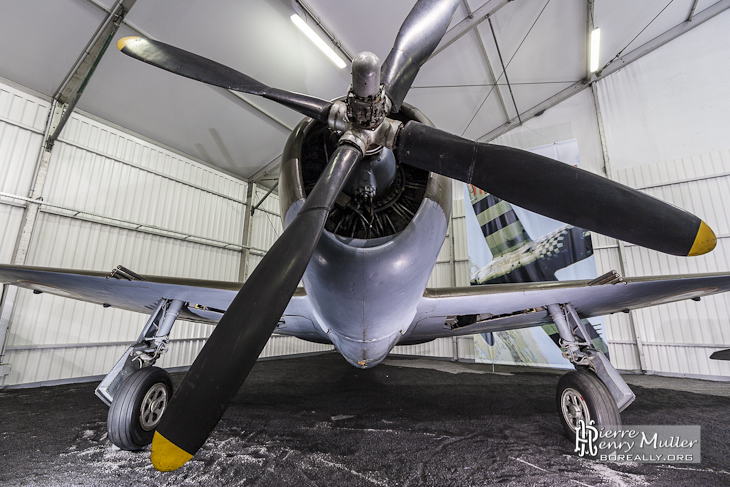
(364, 293)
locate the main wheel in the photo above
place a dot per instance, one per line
(137, 408)
(583, 396)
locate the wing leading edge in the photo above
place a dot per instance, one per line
(498, 307)
(207, 299)
(441, 312)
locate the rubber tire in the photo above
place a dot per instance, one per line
(123, 426)
(601, 405)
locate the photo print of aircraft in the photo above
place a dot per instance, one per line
(370, 161)
(516, 258)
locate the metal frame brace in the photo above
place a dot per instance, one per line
(150, 345)
(581, 353)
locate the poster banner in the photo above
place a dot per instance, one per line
(508, 244)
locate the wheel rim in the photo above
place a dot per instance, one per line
(574, 408)
(153, 405)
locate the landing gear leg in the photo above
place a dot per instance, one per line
(136, 392)
(595, 391)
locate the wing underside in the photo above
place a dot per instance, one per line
(498, 307)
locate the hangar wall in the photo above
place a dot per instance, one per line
(124, 200)
(665, 122)
(110, 198)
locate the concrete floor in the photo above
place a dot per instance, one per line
(317, 421)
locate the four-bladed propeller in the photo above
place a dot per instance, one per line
(534, 182)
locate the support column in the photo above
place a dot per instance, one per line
(22, 243)
(452, 266)
(246, 238)
(621, 249)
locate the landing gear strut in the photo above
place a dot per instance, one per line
(136, 392)
(595, 391)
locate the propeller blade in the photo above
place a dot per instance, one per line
(417, 38)
(196, 67)
(557, 190)
(232, 349)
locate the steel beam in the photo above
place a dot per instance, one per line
(335, 41)
(589, 29)
(27, 226)
(268, 193)
(94, 50)
(611, 68)
(245, 239)
(237, 96)
(267, 170)
(73, 85)
(692, 10)
(620, 245)
(485, 56)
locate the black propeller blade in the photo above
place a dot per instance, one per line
(557, 190)
(417, 38)
(231, 351)
(196, 67)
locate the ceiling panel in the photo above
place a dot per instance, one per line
(454, 84)
(454, 89)
(42, 40)
(255, 37)
(622, 22)
(182, 113)
(370, 26)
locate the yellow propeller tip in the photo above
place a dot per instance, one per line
(166, 456)
(704, 241)
(122, 43)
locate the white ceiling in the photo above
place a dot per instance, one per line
(543, 44)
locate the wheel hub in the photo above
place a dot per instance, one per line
(153, 405)
(574, 408)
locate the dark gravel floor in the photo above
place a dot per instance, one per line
(317, 421)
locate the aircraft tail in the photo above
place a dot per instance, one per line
(500, 226)
(504, 233)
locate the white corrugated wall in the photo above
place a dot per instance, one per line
(265, 225)
(112, 198)
(666, 129)
(22, 120)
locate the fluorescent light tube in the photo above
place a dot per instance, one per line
(318, 41)
(595, 48)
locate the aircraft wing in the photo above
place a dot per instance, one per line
(207, 300)
(498, 307)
